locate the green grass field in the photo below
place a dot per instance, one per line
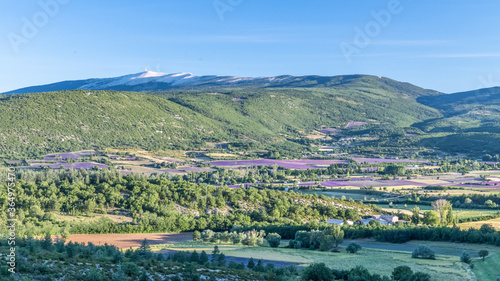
(338, 194)
(376, 261)
(460, 213)
(489, 269)
(477, 224)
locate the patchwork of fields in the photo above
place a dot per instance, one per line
(379, 261)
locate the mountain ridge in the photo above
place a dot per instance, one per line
(152, 111)
(157, 81)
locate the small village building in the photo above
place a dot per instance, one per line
(335, 221)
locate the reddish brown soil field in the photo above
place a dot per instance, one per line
(124, 241)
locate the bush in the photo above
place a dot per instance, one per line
(353, 247)
(359, 273)
(317, 272)
(206, 235)
(93, 275)
(130, 269)
(196, 235)
(401, 273)
(465, 257)
(119, 275)
(303, 238)
(420, 276)
(423, 252)
(274, 240)
(487, 228)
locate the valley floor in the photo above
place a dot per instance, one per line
(376, 260)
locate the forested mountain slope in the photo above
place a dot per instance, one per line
(38, 123)
(474, 111)
(270, 113)
(34, 124)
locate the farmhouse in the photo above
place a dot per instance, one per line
(339, 222)
(387, 218)
(383, 219)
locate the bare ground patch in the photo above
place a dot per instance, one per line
(123, 241)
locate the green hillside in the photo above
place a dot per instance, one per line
(471, 122)
(474, 111)
(34, 124)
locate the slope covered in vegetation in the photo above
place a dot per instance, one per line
(35, 124)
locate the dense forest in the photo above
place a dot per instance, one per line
(157, 204)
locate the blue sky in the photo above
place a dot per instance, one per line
(450, 46)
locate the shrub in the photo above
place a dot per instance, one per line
(206, 235)
(353, 247)
(119, 275)
(420, 276)
(274, 240)
(359, 273)
(237, 237)
(487, 228)
(196, 235)
(93, 275)
(130, 269)
(465, 257)
(303, 238)
(317, 272)
(423, 252)
(401, 273)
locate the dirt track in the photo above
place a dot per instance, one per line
(123, 241)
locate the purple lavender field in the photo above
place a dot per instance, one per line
(70, 155)
(355, 124)
(61, 156)
(328, 130)
(379, 160)
(331, 183)
(84, 165)
(290, 164)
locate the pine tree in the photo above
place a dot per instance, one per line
(251, 264)
(221, 260)
(203, 258)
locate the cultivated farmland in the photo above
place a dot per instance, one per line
(379, 261)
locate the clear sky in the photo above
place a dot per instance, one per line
(448, 45)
